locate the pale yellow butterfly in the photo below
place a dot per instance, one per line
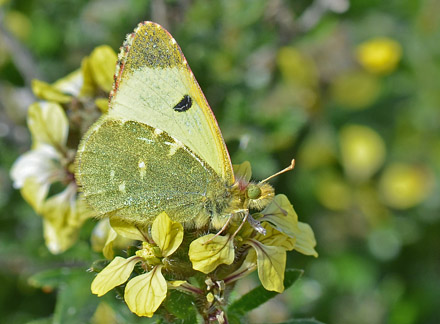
(159, 147)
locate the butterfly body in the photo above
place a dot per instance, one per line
(159, 147)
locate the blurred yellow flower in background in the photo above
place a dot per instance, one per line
(362, 151)
(297, 67)
(355, 90)
(379, 55)
(403, 185)
(333, 192)
(44, 174)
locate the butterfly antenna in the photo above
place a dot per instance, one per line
(289, 168)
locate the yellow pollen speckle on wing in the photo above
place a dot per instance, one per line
(112, 175)
(142, 168)
(122, 187)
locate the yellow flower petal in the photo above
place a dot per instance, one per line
(48, 92)
(88, 88)
(35, 192)
(103, 237)
(305, 240)
(59, 239)
(206, 257)
(175, 283)
(98, 70)
(43, 163)
(63, 215)
(271, 263)
(48, 124)
(102, 64)
(243, 171)
(70, 84)
(100, 234)
(114, 274)
(168, 235)
(129, 230)
(102, 104)
(274, 237)
(144, 293)
(248, 266)
(281, 214)
(107, 251)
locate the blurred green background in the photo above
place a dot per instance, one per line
(350, 89)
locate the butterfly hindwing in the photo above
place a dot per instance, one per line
(142, 172)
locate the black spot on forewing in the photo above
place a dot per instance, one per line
(183, 104)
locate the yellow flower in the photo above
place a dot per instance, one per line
(105, 238)
(146, 292)
(282, 232)
(355, 90)
(94, 78)
(283, 218)
(403, 186)
(379, 55)
(209, 251)
(47, 163)
(362, 151)
(50, 159)
(63, 215)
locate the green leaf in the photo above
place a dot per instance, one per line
(51, 278)
(75, 302)
(302, 321)
(45, 320)
(259, 296)
(181, 305)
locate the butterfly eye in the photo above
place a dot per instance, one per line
(253, 191)
(183, 104)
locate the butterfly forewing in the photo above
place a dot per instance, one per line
(154, 85)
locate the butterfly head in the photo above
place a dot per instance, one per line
(259, 195)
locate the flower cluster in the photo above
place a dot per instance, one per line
(44, 174)
(171, 257)
(202, 262)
